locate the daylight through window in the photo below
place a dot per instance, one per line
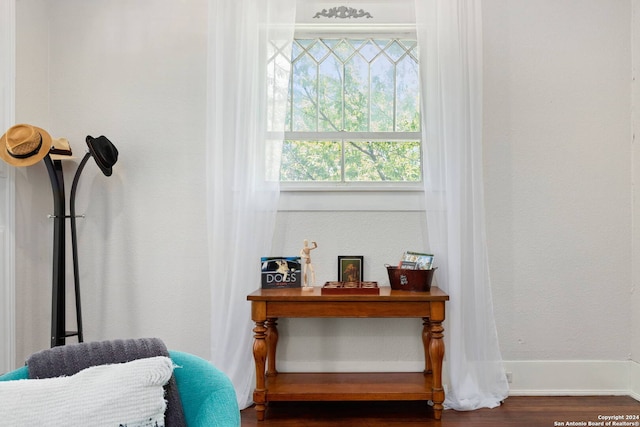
(354, 111)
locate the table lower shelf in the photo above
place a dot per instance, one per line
(349, 386)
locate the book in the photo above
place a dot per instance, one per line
(416, 261)
(281, 272)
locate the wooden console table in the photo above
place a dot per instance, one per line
(267, 305)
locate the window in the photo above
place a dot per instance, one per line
(353, 114)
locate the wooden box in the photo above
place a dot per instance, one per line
(350, 288)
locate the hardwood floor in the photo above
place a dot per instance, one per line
(516, 411)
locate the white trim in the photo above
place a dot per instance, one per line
(346, 30)
(571, 377)
(634, 380)
(383, 12)
(7, 189)
(351, 197)
(344, 199)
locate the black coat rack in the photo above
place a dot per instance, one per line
(58, 304)
(25, 145)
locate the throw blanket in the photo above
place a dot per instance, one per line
(123, 394)
(70, 359)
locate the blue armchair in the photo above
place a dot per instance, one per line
(207, 395)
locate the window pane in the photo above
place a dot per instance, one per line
(382, 93)
(311, 161)
(330, 95)
(278, 70)
(382, 161)
(318, 51)
(369, 50)
(304, 95)
(395, 51)
(356, 95)
(343, 49)
(407, 103)
(382, 44)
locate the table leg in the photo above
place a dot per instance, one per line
(272, 344)
(436, 354)
(259, 356)
(426, 340)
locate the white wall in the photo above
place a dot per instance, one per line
(558, 171)
(557, 166)
(34, 233)
(134, 72)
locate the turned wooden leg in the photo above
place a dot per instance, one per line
(426, 339)
(259, 356)
(436, 354)
(259, 315)
(272, 344)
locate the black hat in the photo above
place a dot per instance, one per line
(104, 153)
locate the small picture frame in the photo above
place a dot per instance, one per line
(350, 268)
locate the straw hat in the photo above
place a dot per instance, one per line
(60, 149)
(24, 145)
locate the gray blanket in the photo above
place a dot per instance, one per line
(70, 359)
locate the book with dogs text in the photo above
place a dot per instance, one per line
(281, 272)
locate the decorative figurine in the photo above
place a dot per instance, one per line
(305, 254)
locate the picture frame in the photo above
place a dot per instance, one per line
(350, 268)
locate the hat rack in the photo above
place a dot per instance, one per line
(58, 300)
(105, 155)
(25, 145)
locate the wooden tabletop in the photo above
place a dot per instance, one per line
(386, 294)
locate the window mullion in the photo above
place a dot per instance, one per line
(395, 96)
(317, 95)
(344, 82)
(369, 100)
(343, 174)
(290, 100)
(353, 136)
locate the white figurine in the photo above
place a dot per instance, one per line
(305, 254)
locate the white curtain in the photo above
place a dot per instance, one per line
(450, 43)
(248, 62)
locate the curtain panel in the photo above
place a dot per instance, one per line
(246, 103)
(248, 71)
(450, 44)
